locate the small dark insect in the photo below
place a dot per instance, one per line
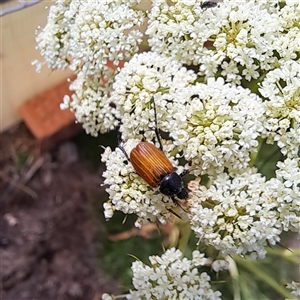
(155, 168)
(112, 104)
(208, 4)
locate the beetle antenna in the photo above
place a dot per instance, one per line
(174, 213)
(185, 172)
(119, 140)
(156, 127)
(124, 152)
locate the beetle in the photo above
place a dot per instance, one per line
(152, 165)
(208, 4)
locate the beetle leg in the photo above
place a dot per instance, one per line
(156, 127)
(185, 172)
(181, 207)
(177, 203)
(174, 200)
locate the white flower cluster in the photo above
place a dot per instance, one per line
(219, 126)
(53, 40)
(91, 103)
(237, 39)
(87, 36)
(244, 214)
(145, 76)
(172, 276)
(281, 90)
(236, 216)
(286, 192)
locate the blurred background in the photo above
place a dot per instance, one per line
(54, 240)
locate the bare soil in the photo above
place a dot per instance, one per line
(49, 234)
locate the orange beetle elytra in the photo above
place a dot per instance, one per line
(150, 163)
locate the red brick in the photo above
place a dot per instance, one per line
(47, 122)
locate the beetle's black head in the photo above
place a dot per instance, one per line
(172, 185)
(183, 194)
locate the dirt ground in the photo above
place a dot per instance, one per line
(49, 243)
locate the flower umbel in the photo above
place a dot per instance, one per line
(238, 41)
(236, 216)
(85, 35)
(171, 276)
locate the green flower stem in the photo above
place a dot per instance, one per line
(184, 235)
(254, 155)
(289, 255)
(268, 158)
(234, 273)
(163, 90)
(259, 273)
